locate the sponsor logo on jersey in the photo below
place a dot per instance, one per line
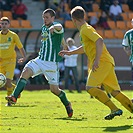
(4, 45)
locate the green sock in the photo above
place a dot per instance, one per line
(63, 98)
(19, 87)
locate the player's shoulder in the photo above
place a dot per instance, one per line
(129, 31)
(86, 28)
(12, 32)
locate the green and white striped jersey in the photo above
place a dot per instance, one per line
(51, 44)
(128, 42)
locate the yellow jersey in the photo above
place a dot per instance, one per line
(88, 37)
(8, 43)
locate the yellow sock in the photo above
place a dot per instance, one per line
(102, 97)
(125, 101)
(10, 90)
(13, 85)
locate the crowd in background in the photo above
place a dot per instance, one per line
(109, 9)
(17, 7)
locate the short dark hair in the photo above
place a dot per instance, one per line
(78, 13)
(5, 19)
(50, 11)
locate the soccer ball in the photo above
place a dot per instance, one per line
(2, 80)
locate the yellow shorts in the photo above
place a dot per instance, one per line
(104, 75)
(7, 67)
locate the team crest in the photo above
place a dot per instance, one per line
(9, 39)
(44, 35)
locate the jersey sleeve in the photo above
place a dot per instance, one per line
(91, 34)
(125, 41)
(62, 29)
(17, 41)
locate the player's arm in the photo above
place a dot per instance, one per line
(78, 50)
(64, 45)
(99, 49)
(127, 50)
(56, 27)
(23, 53)
(126, 45)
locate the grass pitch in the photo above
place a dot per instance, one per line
(42, 112)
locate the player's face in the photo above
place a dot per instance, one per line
(47, 19)
(4, 25)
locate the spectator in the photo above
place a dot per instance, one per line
(103, 21)
(87, 5)
(105, 5)
(63, 12)
(115, 11)
(19, 9)
(71, 65)
(93, 21)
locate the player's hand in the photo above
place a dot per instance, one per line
(21, 60)
(95, 66)
(64, 52)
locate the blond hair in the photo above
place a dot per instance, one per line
(5, 19)
(78, 13)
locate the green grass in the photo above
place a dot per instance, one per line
(42, 112)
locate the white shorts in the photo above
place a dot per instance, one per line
(49, 69)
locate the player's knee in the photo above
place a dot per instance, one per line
(26, 73)
(90, 89)
(115, 93)
(8, 83)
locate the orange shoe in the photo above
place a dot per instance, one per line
(11, 99)
(69, 110)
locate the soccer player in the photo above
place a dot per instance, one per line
(127, 44)
(101, 65)
(8, 41)
(47, 61)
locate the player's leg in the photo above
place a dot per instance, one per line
(52, 71)
(20, 85)
(62, 95)
(115, 91)
(123, 99)
(94, 81)
(25, 75)
(101, 96)
(30, 69)
(9, 66)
